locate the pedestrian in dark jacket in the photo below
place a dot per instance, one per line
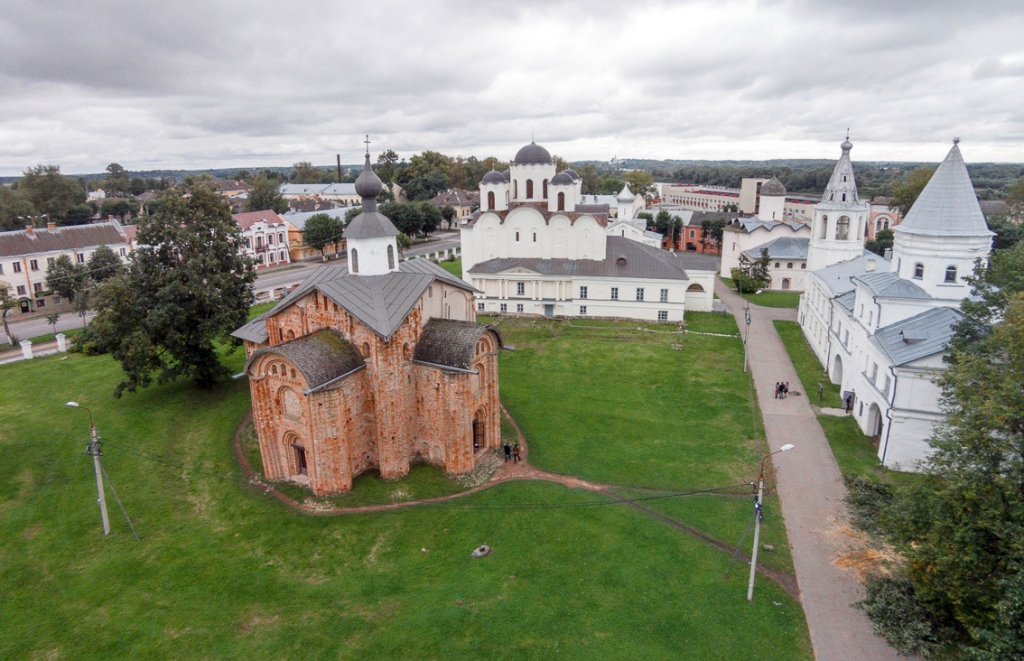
(508, 452)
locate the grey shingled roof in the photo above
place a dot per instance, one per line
(948, 205)
(322, 357)
(919, 336)
(73, 237)
(751, 224)
(450, 343)
(838, 276)
(847, 300)
(784, 247)
(890, 285)
(382, 302)
(370, 225)
(699, 261)
(641, 261)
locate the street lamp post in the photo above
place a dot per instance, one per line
(759, 516)
(93, 449)
(746, 335)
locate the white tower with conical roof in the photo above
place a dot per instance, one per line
(370, 237)
(625, 203)
(773, 200)
(944, 232)
(840, 219)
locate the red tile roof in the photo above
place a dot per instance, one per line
(246, 220)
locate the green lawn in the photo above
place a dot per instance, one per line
(224, 571)
(454, 267)
(768, 299)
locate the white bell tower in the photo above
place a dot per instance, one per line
(840, 219)
(370, 237)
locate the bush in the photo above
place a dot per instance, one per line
(896, 616)
(869, 502)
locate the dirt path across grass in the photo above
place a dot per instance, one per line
(811, 493)
(507, 472)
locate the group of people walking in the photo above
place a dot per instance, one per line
(512, 453)
(781, 389)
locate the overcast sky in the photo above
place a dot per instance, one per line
(221, 84)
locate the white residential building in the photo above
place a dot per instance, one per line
(880, 326)
(265, 236)
(343, 193)
(534, 248)
(27, 255)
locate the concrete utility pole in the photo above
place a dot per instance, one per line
(746, 334)
(93, 449)
(760, 517)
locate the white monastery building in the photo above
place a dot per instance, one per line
(534, 248)
(880, 326)
(265, 236)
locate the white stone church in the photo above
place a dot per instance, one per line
(534, 248)
(880, 325)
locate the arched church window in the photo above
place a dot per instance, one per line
(405, 351)
(561, 201)
(490, 200)
(545, 189)
(843, 228)
(535, 237)
(517, 237)
(391, 257)
(919, 270)
(950, 274)
(844, 197)
(366, 349)
(515, 189)
(354, 255)
(824, 227)
(529, 189)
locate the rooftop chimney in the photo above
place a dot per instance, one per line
(50, 225)
(870, 265)
(888, 254)
(29, 229)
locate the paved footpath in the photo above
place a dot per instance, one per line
(811, 492)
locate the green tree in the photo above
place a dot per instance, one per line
(421, 189)
(405, 215)
(430, 217)
(80, 214)
(103, 265)
(448, 213)
(752, 274)
(52, 319)
(117, 183)
(65, 278)
(137, 186)
(429, 162)
(7, 303)
(185, 289)
(905, 194)
(122, 209)
(591, 178)
(82, 303)
(669, 225)
(50, 192)
(404, 243)
(306, 173)
(883, 241)
(266, 194)
(14, 208)
(712, 231)
(352, 213)
(641, 183)
(322, 230)
(387, 163)
(560, 164)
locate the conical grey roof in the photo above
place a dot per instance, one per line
(841, 191)
(773, 188)
(948, 205)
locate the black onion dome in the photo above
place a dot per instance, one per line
(532, 153)
(572, 173)
(368, 184)
(562, 179)
(493, 177)
(507, 176)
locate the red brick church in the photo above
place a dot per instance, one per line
(372, 366)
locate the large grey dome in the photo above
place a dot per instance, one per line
(493, 177)
(773, 188)
(532, 153)
(562, 179)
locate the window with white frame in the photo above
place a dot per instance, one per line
(504, 307)
(17, 267)
(21, 290)
(583, 309)
(33, 264)
(639, 293)
(480, 307)
(37, 287)
(664, 296)
(520, 289)
(662, 315)
(81, 258)
(615, 293)
(583, 292)
(519, 307)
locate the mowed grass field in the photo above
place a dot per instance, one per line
(225, 571)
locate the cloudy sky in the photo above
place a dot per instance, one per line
(221, 84)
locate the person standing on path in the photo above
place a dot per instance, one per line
(508, 452)
(515, 454)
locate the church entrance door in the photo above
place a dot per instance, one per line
(479, 438)
(300, 459)
(549, 310)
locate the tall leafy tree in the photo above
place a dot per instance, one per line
(641, 183)
(387, 166)
(117, 182)
(266, 194)
(322, 230)
(50, 192)
(752, 274)
(430, 217)
(103, 265)
(7, 303)
(883, 241)
(14, 208)
(184, 290)
(66, 278)
(307, 173)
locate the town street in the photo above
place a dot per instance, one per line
(280, 278)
